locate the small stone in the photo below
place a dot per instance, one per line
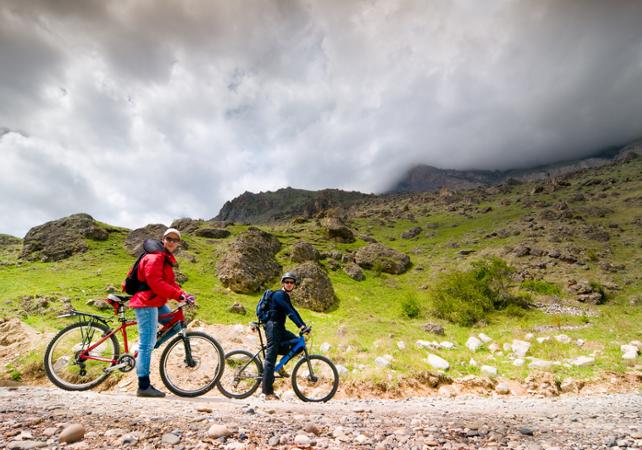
(437, 362)
(170, 439)
(502, 389)
(312, 429)
(473, 344)
(204, 409)
(489, 371)
(484, 338)
(25, 445)
(302, 440)
(526, 431)
(72, 433)
(216, 431)
(273, 441)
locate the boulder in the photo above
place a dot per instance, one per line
(336, 230)
(411, 233)
(212, 233)
(249, 263)
(186, 225)
(383, 258)
(314, 290)
(434, 328)
(354, 272)
(302, 251)
(62, 238)
(437, 362)
(135, 238)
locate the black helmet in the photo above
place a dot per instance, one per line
(289, 276)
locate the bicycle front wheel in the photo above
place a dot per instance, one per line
(242, 375)
(315, 379)
(66, 362)
(192, 365)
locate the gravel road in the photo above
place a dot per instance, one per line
(38, 417)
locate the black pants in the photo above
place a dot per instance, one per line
(279, 342)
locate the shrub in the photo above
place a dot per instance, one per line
(541, 287)
(410, 307)
(466, 297)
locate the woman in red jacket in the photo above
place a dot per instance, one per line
(157, 270)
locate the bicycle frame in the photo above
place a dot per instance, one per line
(299, 345)
(176, 316)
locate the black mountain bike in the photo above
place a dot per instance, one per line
(314, 377)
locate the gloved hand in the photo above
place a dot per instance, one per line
(188, 298)
(305, 330)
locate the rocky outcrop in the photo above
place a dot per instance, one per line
(335, 229)
(302, 251)
(287, 203)
(249, 263)
(314, 290)
(380, 257)
(6, 240)
(135, 238)
(212, 233)
(62, 238)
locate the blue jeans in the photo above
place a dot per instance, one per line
(147, 319)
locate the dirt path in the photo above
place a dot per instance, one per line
(35, 417)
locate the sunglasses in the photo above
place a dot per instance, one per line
(289, 282)
(170, 239)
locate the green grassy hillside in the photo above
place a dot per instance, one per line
(594, 216)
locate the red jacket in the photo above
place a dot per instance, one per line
(156, 269)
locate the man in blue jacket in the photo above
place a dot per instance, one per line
(279, 340)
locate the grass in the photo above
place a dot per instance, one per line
(373, 315)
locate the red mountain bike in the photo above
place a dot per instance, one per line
(85, 353)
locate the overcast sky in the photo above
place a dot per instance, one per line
(144, 111)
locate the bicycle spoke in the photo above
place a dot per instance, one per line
(315, 379)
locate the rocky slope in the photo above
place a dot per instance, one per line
(286, 203)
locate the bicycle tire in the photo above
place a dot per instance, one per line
(325, 385)
(242, 375)
(63, 348)
(186, 381)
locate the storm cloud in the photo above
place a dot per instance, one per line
(145, 111)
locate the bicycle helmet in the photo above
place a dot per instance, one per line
(289, 276)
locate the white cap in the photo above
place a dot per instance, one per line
(170, 231)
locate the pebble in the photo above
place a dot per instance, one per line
(72, 433)
(216, 431)
(302, 440)
(170, 439)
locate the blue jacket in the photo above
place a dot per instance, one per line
(281, 306)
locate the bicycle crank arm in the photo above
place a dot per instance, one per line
(116, 367)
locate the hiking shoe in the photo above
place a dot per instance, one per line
(151, 391)
(283, 372)
(269, 397)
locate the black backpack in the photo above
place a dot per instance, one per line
(263, 306)
(132, 283)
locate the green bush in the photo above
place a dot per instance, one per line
(410, 307)
(541, 287)
(466, 297)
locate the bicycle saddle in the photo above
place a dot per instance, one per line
(119, 298)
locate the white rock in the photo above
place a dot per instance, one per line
(473, 343)
(518, 362)
(401, 345)
(472, 362)
(540, 364)
(502, 388)
(507, 347)
(437, 362)
(520, 348)
(564, 339)
(361, 439)
(343, 370)
(426, 344)
(325, 347)
(582, 361)
(630, 355)
(493, 347)
(238, 329)
(529, 336)
(302, 440)
(541, 340)
(484, 338)
(489, 371)
(628, 348)
(580, 342)
(447, 345)
(381, 361)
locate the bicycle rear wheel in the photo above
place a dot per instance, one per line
(315, 379)
(192, 365)
(64, 363)
(242, 375)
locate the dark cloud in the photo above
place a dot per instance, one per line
(188, 104)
